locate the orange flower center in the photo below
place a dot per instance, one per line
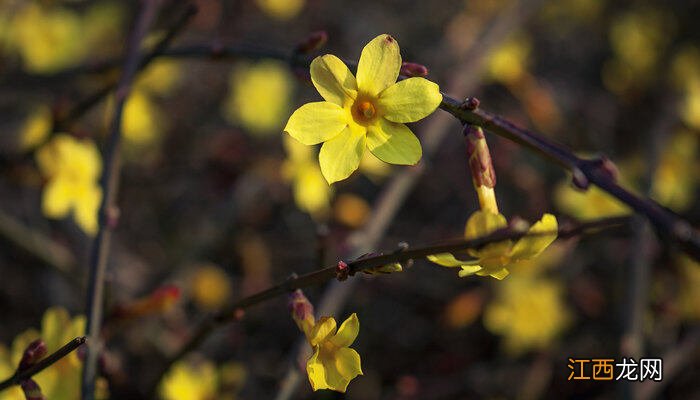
(364, 111)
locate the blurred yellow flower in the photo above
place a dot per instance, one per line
(494, 259)
(161, 77)
(190, 381)
(142, 121)
(61, 381)
(351, 210)
(72, 168)
(210, 287)
(266, 85)
(367, 111)
(47, 39)
(528, 311)
(690, 109)
(676, 176)
(7, 368)
(589, 204)
(311, 193)
(334, 364)
(281, 9)
(508, 63)
(36, 128)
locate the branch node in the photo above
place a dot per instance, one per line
(342, 271)
(470, 104)
(579, 180)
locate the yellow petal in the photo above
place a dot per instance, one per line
(347, 332)
(348, 364)
(316, 371)
(469, 270)
(340, 156)
(544, 233)
(86, 208)
(324, 327)
(314, 123)
(498, 274)
(446, 260)
(57, 198)
(379, 65)
(333, 79)
(410, 100)
(482, 223)
(393, 143)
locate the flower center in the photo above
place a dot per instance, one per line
(364, 111)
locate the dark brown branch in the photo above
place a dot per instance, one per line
(229, 314)
(109, 183)
(44, 363)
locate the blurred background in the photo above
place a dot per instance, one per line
(215, 203)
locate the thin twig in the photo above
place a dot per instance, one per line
(109, 183)
(44, 363)
(229, 314)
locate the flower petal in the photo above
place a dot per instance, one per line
(57, 198)
(333, 79)
(379, 65)
(448, 260)
(410, 100)
(86, 208)
(340, 156)
(324, 327)
(469, 270)
(498, 273)
(317, 122)
(348, 364)
(545, 232)
(316, 371)
(347, 332)
(482, 223)
(393, 143)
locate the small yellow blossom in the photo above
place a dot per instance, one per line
(334, 364)
(190, 381)
(528, 311)
(311, 193)
(267, 86)
(495, 258)
(367, 111)
(508, 63)
(7, 368)
(161, 77)
(210, 287)
(281, 9)
(142, 119)
(676, 176)
(61, 381)
(47, 38)
(591, 203)
(36, 128)
(72, 168)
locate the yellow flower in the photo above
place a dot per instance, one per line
(190, 381)
(676, 177)
(7, 368)
(281, 9)
(72, 168)
(367, 111)
(267, 86)
(311, 193)
(47, 39)
(142, 120)
(210, 286)
(36, 128)
(61, 381)
(333, 364)
(594, 202)
(495, 258)
(528, 311)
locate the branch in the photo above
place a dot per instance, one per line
(233, 311)
(109, 183)
(44, 363)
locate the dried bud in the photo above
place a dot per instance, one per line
(158, 302)
(313, 42)
(470, 103)
(302, 311)
(409, 69)
(32, 354)
(31, 390)
(579, 180)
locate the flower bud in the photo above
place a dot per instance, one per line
(302, 311)
(31, 390)
(32, 354)
(409, 70)
(313, 42)
(481, 167)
